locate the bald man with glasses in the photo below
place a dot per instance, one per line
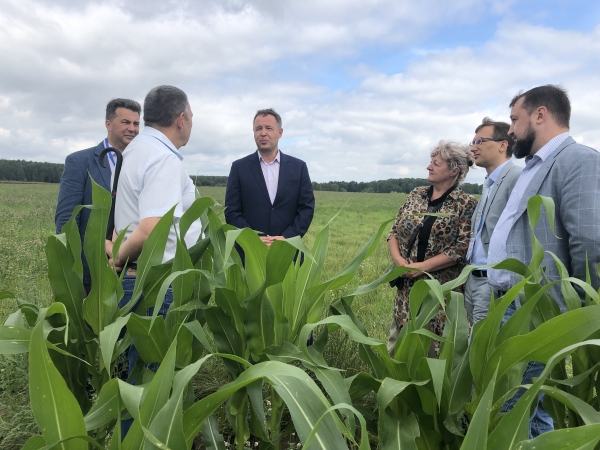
(492, 150)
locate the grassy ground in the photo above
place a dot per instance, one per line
(27, 213)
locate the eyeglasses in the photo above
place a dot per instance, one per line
(479, 141)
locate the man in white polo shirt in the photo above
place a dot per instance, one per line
(152, 181)
(153, 178)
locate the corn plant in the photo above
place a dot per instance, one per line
(260, 315)
(454, 401)
(256, 312)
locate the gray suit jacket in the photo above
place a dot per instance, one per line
(497, 199)
(571, 177)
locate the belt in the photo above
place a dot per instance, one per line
(479, 273)
(131, 268)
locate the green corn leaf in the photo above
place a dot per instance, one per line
(228, 301)
(105, 408)
(108, 339)
(100, 305)
(306, 414)
(14, 340)
(131, 396)
(152, 253)
(279, 258)
(361, 385)
(167, 426)
(156, 398)
(35, 442)
(477, 433)
(153, 345)
(198, 333)
(513, 426)
(54, 407)
(259, 323)
(399, 434)
(334, 386)
(484, 337)
(306, 406)
(309, 274)
(580, 438)
(549, 338)
(183, 286)
(587, 412)
(193, 213)
(66, 284)
(73, 240)
(226, 337)
(437, 369)
(255, 252)
(212, 439)
(393, 433)
(364, 441)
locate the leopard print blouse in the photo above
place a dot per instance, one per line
(449, 235)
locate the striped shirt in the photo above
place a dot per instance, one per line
(500, 279)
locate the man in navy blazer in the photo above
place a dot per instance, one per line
(122, 124)
(269, 191)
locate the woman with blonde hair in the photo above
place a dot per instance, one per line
(436, 245)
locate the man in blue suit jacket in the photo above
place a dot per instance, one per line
(269, 191)
(123, 124)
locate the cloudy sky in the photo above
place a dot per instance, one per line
(365, 87)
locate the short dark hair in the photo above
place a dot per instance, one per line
(269, 112)
(111, 107)
(500, 133)
(554, 98)
(163, 104)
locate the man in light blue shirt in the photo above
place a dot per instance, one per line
(569, 173)
(492, 150)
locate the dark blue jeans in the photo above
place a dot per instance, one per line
(540, 421)
(132, 353)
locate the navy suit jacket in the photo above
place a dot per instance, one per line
(76, 189)
(76, 185)
(248, 204)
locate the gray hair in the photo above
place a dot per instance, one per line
(163, 105)
(269, 112)
(111, 107)
(456, 156)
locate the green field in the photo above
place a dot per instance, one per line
(27, 212)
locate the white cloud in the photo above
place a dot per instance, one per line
(62, 61)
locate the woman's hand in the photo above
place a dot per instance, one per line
(413, 273)
(399, 261)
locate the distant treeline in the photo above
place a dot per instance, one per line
(404, 185)
(206, 180)
(20, 170)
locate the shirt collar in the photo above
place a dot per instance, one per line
(162, 138)
(496, 172)
(277, 158)
(549, 148)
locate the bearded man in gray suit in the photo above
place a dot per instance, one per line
(569, 173)
(492, 150)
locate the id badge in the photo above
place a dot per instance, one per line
(470, 250)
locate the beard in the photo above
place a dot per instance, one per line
(523, 146)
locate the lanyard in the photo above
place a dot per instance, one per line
(110, 155)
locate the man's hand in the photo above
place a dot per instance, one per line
(108, 246)
(268, 240)
(118, 267)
